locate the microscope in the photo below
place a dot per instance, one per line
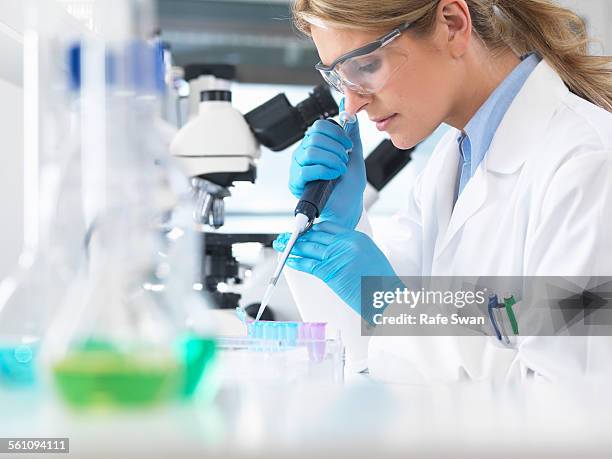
(219, 147)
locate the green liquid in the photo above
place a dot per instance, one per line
(103, 378)
(97, 374)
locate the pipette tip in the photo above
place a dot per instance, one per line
(265, 301)
(300, 224)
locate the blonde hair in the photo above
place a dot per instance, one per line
(557, 34)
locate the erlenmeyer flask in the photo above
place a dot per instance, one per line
(53, 218)
(131, 331)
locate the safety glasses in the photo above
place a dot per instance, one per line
(367, 69)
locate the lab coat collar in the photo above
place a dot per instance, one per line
(520, 132)
(517, 137)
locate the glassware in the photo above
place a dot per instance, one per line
(131, 331)
(53, 219)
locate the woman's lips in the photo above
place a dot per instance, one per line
(383, 124)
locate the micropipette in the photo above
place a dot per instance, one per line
(309, 208)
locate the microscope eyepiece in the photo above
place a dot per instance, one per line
(277, 124)
(320, 104)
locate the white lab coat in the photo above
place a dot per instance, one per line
(540, 204)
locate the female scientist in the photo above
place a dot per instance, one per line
(522, 186)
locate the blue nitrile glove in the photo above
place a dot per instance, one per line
(322, 155)
(340, 257)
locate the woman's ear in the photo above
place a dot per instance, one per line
(453, 16)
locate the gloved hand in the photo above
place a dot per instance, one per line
(322, 155)
(339, 257)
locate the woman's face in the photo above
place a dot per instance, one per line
(419, 95)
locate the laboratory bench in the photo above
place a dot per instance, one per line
(357, 418)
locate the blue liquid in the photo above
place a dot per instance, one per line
(287, 332)
(18, 365)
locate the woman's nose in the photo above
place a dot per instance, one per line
(355, 102)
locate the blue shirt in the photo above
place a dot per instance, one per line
(476, 138)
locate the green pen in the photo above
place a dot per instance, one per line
(509, 301)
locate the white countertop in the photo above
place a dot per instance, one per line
(361, 418)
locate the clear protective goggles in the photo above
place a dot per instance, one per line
(367, 69)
